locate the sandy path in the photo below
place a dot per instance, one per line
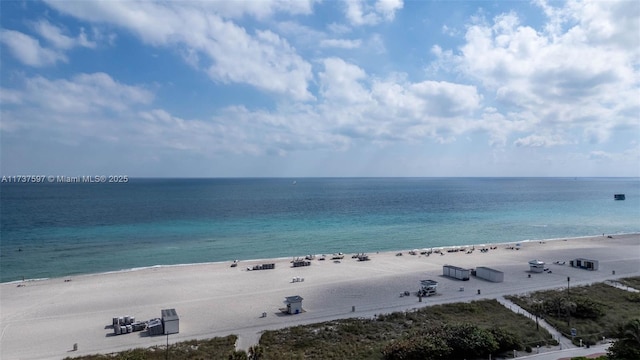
(43, 319)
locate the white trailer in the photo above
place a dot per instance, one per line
(582, 263)
(489, 274)
(456, 272)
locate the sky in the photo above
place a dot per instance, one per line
(306, 88)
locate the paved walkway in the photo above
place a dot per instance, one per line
(564, 342)
(620, 286)
(591, 352)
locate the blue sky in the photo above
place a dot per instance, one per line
(320, 88)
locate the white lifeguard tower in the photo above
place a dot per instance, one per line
(536, 266)
(294, 304)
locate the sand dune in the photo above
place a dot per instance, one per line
(44, 319)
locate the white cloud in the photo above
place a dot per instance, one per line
(600, 155)
(82, 95)
(361, 12)
(85, 93)
(338, 28)
(259, 9)
(226, 51)
(540, 141)
(578, 74)
(9, 96)
(340, 82)
(55, 36)
(341, 43)
(388, 8)
(28, 49)
(392, 109)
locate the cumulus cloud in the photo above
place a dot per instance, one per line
(55, 35)
(221, 48)
(393, 108)
(66, 104)
(580, 71)
(85, 93)
(28, 49)
(361, 12)
(572, 80)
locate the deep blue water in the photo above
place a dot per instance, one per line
(56, 229)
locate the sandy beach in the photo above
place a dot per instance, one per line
(44, 319)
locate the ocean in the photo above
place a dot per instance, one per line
(53, 229)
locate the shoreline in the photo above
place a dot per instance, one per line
(279, 259)
(214, 299)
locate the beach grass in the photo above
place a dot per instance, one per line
(354, 338)
(595, 310)
(633, 282)
(367, 338)
(218, 348)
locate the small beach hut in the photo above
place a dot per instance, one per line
(170, 321)
(489, 274)
(536, 266)
(294, 304)
(428, 287)
(456, 272)
(587, 264)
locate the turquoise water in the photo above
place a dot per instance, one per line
(53, 229)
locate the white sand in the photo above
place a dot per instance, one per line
(43, 319)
